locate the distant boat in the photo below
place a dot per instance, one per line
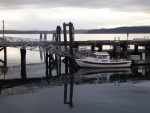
(102, 60)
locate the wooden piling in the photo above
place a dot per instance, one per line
(5, 56)
(41, 37)
(45, 37)
(100, 48)
(58, 58)
(71, 36)
(114, 51)
(46, 64)
(50, 64)
(135, 49)
(65, 44)
(92, 48)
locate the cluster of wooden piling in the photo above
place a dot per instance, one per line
(56, 61)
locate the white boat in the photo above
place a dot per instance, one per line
(102, 59)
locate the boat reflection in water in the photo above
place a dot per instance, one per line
(102, 75)
(111, 75)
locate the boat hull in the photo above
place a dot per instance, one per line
(84, 63)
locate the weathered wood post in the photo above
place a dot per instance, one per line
(40, 49)
(23, 63)
(114, 50)
(45, 37)
(65, 44)
(71, 36)
(4, 48)
(5, 56)
(59, 39)
(100, 48)
(71, 40)
(136, 49)
(57, 57)
(92, 48)
(125, 48)
(41, 37)
(47, 64)
(147, 50)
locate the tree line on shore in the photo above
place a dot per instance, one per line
(133, 29)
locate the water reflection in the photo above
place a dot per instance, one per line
(116, 76)
(113, 75)
(70, 102)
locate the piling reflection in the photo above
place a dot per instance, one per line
(82, 76)
(70, 102)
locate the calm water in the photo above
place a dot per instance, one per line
(125, 90)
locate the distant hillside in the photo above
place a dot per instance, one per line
(134, 29)
(37, 32)
(24, 32)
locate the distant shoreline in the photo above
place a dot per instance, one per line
(118, 30)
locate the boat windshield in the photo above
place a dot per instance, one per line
(102, 57)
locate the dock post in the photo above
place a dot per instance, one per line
(71, 36)
(5, 56)
(4, 48)
(125, 48)
(50, 64)
(114, 51)
(65, 44)
(59, 39)
(40, 36)
(23, 63)
(71, 40)
(136, 49)
(58, 57)
(58, 33)
(92, 48)
(100, 48)
(147, 50)
(45, 37)
(40, 49)
(46, 63)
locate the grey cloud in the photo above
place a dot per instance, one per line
(121, 5)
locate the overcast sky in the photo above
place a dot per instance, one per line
(84, 14)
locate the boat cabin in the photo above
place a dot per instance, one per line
(102, 56)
